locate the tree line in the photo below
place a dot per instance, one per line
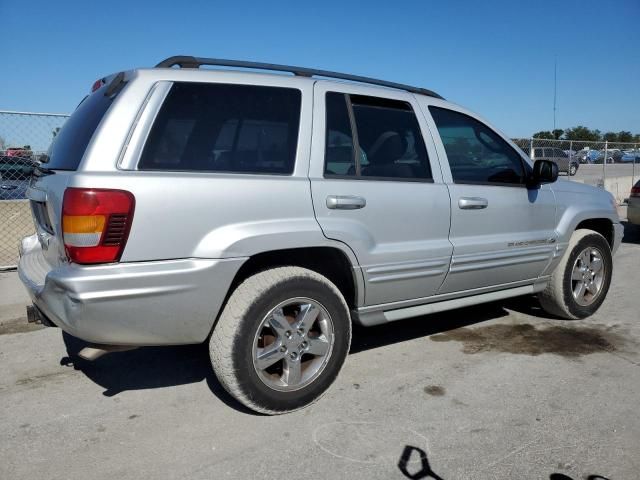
(582, 133)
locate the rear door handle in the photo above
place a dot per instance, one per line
(472, 203)
(345, 202)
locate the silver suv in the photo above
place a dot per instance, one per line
(265, 213)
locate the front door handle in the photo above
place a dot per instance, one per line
(345, 202)
(472, 203)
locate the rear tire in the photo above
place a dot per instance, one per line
(573, 169)
(580, 282)
(281, 339)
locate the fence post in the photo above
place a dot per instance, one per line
(531, 148)
(572, 157)
(604, 163)
(633, 171)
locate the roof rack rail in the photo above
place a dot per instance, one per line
(195, 62)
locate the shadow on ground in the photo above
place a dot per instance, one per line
(147, 367)
(414, 464)
(158, 367)
(631, 233)
(416, 470)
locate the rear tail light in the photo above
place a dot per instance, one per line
(635, 191)
(96, 223)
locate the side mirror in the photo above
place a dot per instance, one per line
(544, 171)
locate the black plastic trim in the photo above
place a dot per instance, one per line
(329, 176)
(185, 61)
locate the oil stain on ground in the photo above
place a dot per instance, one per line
(525, 339)
(434, 390)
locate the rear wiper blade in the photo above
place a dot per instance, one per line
(40, 171)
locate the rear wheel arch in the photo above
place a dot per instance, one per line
(331, 262)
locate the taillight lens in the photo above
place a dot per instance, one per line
(635, 191)
(96, 223)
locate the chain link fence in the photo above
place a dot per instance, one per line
(23, 138)
(614, 166)
(586, 159)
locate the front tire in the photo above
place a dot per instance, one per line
(580, 282)
(281, 339)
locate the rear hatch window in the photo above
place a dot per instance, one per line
(67, 149)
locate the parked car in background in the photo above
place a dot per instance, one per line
(582, 156)
(613, 155)
(14, 176)
(16, 168)
(565, 163)
(13, 189)
(631, 156)
(22, 152)
(597, 156)
(633, 207)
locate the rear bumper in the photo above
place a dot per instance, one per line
(166, 302)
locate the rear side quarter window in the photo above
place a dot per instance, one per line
(69, 145)
(225, 128)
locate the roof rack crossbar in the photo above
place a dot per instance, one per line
(196, 62)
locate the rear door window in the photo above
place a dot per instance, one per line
(70, 143)
(373, 138)
(225, 128)
(339, 148)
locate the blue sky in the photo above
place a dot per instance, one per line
(494, 57)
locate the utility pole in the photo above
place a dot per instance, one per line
(555, 90)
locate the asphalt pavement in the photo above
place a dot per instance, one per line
(499, 391)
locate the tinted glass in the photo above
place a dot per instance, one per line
(70, 143)
(539, 153)
(339, 151)
(476, 153)
(225, 128)
(389, 139)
